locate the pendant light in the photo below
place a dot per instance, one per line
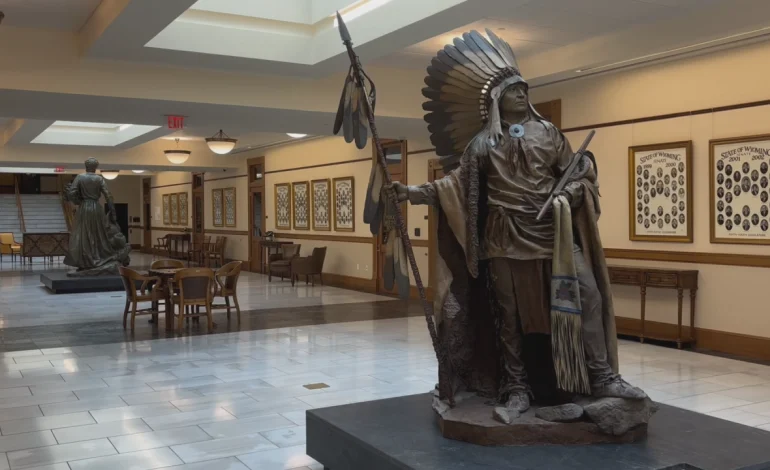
(177, 156)
(110, 174)
(296, 136)
(138, 172)
(221, 143)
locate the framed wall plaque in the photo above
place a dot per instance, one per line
(660, 192)
(738, 190)
(216, 208)
(183, 209)
(166, 211)
(344, 204)
(228, 196)
(283, 206)
(321, 204)
(301, 205)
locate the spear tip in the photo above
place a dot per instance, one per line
(344, 33)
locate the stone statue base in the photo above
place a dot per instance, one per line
(591, 421)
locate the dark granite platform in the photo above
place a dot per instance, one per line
(59, 283)
(401, 433)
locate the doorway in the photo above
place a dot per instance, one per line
(147, 239)
(396, 156)
(257, 214)
(121, 214)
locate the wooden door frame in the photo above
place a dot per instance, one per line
(195, 237)
(147, 226)
(256, 186)
(433, 165)
(376, 245)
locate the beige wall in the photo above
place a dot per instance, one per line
(237, 245)
(344, 258)
(168, 182)
(730, 298)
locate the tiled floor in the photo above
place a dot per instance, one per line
(237, 400)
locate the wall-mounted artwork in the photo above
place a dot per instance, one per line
(321, 204)
(283, 206)
(739, 180)
(228, 196)
(344, 204)
(173, 201)
(216, 207)
(660, 192)
(166, 211)
(301, 205)
(184, 218)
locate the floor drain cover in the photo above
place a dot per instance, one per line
(315, 386)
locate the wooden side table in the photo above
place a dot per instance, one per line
(665, 279)
(268, 246)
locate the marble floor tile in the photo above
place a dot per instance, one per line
(231, 463)
(154, 410)
(156, 439)
(60, 453)
(159, 397)
(178, 420)
(143, 460)
(738, 380)
(762, 408)
(287, 437)
(297, 417)
(756, 393)
(46, 422)
(96, 431)
(741, 417)
(247, 426)
(90, 404)
(27, 441)
(708, 402)
(225, 447)
(285, 458)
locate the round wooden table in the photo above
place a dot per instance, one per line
(166, 275)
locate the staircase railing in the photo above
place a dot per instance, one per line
(18, 204)
(67, 209)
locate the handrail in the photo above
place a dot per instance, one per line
(18, 204)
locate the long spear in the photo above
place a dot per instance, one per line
(362, 103)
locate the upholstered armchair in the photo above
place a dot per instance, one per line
(309, 266)
(279, 264)
(8, 246)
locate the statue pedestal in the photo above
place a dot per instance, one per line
(472, 420)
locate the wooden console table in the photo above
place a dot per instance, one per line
(666, 279)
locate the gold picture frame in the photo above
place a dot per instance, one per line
(660, 194)
(321, 204)
(217, 211)
(166, 210)
(739, 190)
(229, 207)
(300, 205)
(283, 198)
(344, 204)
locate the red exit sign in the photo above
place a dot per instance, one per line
(58, 169)
(175, 122)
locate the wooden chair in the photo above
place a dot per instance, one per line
(149, 291)
(216, 252)
(226, 286)
(280, 263)
(8, 246)
(309, 266)
(196, 251)
(195, 290)
(162, 246)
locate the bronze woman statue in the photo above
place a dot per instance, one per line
(97, 247)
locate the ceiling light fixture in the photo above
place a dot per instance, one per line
(138, 172)
(110, 174)
(177, 156)
(296, 136)
(221, 143)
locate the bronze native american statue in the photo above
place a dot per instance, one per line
(523, 305)
(97, 246)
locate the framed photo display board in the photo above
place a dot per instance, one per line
(660, 192)
(283, 206)
(217, 211)
(321, 204)
(344, 204)
(739, 190)
(301, 207)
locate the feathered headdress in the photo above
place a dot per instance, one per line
(464, 84)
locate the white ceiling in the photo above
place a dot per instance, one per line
(65, 15)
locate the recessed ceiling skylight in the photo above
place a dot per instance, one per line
(97, 134)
